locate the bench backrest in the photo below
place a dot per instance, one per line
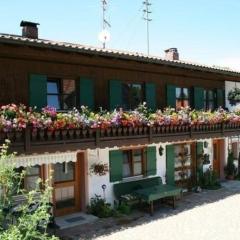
(128, 187)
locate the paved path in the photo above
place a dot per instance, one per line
(210, 215)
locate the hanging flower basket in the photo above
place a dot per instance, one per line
(99, 169)
(234, 96)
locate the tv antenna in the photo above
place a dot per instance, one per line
(146, 17)
(104, 35)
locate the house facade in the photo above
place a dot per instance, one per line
(38, 72)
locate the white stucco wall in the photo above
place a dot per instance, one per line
(102, 155)
(229, 86)
(208, 150)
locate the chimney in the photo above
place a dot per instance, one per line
(171, 54)
(29, 29)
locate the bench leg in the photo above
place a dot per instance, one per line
(151, 208)
(174, 204)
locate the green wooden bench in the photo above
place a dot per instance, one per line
(147, 189)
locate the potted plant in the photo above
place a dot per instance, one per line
(230, 169)
(234, 96)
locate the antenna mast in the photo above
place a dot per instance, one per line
(146, 17)
(104, 36)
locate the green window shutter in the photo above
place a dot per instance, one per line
(116, 165)
(38, 91)
(220, 99)
(151, 161)
(170, 171)
(115, 94)
(199, 152)
(87, 92)
(198, 98)
(151, 95)
(171, 96)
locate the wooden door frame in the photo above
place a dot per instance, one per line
(76, 184)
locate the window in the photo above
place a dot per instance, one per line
(30, 181)
(209, 103)
(132, 95)
(132, 163)
(64, 172)
(182, 97)
(61, 93)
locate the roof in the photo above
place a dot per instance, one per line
(136, 56)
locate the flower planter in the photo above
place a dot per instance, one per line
(84, 133)
(64, 133)
(56, 134)
(41, 134)
(71, 133)
(49, 135)
(114, 131)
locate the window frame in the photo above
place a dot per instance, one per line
(181, 99)
(61, 93)
(207, 101)
(130, 153)
(130, 101)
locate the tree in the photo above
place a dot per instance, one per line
(29, 220)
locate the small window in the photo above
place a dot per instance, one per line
(209, 100)
(132, 163)
(132, 95)
(61, 93)
(182, 97)
(30, 181)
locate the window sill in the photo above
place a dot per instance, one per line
(134, 178)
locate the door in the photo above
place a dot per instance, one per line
(216, 156)
(66, 194)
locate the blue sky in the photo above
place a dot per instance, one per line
(205, 31)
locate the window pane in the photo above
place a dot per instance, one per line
(136, 95)
(53, 101)
(69, 101)
(137, 162)
(178, 92)
(53, 87)
(211, 105)
(210, 95)
(205, 94)
(33, 170)
(68, 86)
(126, 95)
(185, 93)
(64, 171)
(126, 165)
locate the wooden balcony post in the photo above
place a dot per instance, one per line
(222, 128)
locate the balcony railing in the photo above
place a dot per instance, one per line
(28, 141)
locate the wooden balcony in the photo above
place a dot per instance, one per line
(29, 141)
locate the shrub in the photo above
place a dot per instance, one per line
(100, 208)
(124, 208)
(210, 180)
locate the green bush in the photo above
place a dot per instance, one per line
(210, 180)
(100, 208)
(230, 169)
(124, 208)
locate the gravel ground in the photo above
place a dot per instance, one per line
(210, 215)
